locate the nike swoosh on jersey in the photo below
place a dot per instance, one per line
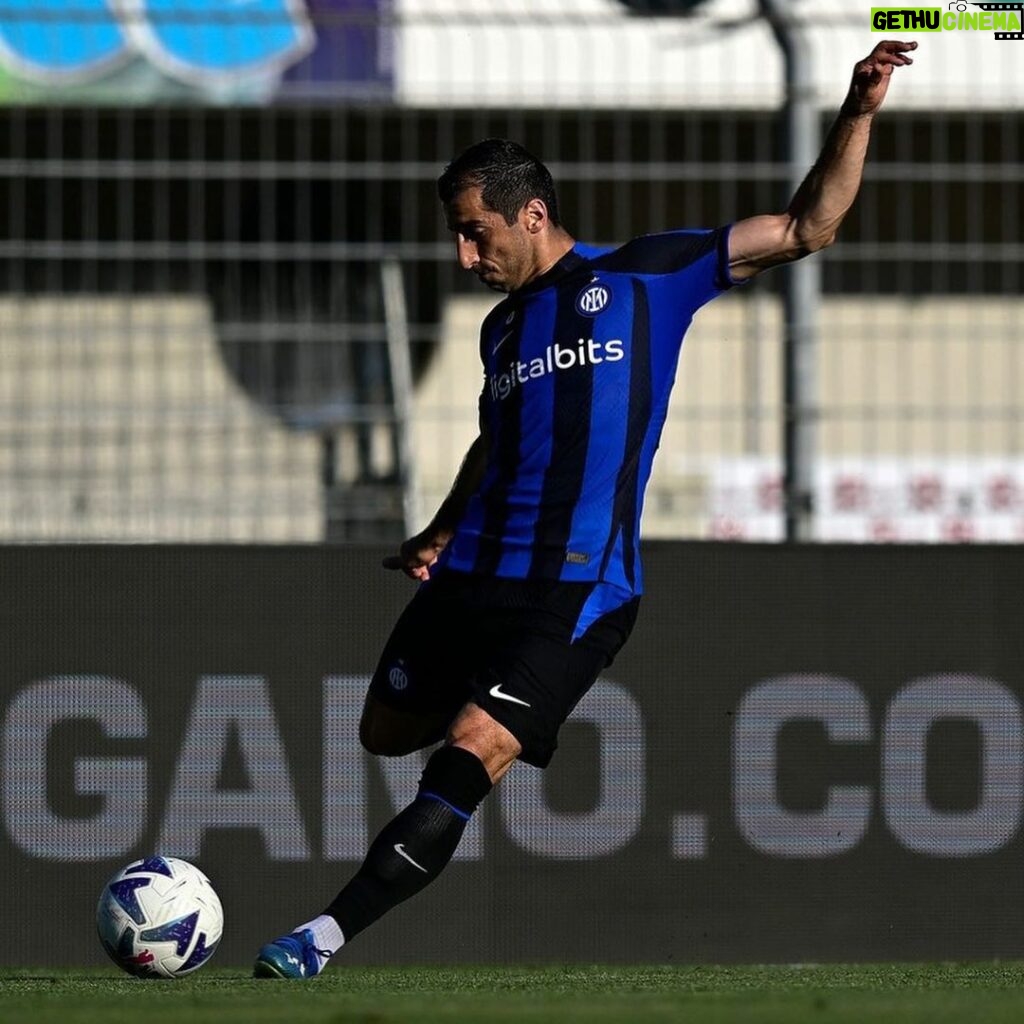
(502, 340)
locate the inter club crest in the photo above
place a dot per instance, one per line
(593, 299)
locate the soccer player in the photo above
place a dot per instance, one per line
(529, 572)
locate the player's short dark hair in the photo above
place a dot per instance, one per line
(508, 177)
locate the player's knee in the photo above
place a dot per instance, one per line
(474, 730)
(390, 733)
(383, 742)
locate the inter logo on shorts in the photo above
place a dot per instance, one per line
(593, 299)
(397, 677)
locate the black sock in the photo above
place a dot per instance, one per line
(414, 847)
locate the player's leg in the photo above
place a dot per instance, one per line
(393, 732)
(421, 681)
(422, 676)
(416, 845)
(536, 670)
(476, 732)
(410, 851)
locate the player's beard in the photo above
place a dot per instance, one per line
(494, 279)
(506, 277)
(496, 286)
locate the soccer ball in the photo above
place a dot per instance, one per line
(159, 917)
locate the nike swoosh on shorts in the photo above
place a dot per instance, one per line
(495, 691)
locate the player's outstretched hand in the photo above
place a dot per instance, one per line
(871, 76)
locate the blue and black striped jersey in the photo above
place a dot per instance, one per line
(578, 367)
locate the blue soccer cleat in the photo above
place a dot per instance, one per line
(291, 956)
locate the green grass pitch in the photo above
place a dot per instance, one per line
(891, 993)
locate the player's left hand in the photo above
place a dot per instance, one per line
(871, 76)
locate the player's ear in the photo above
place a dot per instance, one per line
(535, 213)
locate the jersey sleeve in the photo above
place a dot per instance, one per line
(700, 260)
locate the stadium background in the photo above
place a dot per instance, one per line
(235, 351)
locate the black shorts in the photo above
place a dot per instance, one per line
(506, 645)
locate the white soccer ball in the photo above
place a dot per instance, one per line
(159, 917)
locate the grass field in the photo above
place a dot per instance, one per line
(892, 993)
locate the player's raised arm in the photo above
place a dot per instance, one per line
(827, 193)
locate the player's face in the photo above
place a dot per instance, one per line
(499, 253)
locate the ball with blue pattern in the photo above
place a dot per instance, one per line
(159, 917)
